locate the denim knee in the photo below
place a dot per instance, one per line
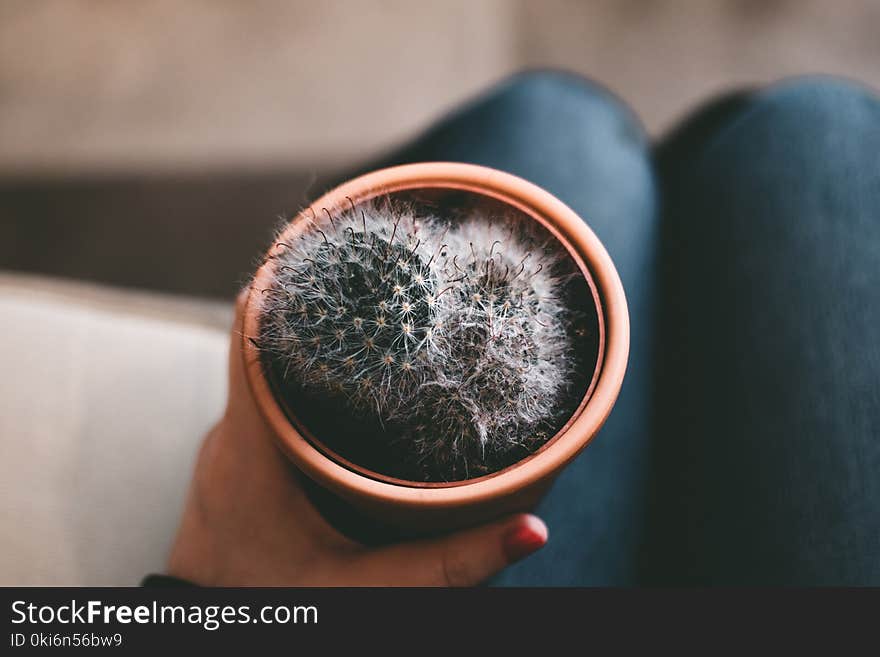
(555, 99)
(806, 119)
(819, 96)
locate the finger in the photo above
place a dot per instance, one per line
(462, 559)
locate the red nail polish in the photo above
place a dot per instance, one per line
(521, 541)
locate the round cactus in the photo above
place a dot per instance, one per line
(452, 334)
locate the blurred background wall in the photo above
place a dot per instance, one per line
(129, 128)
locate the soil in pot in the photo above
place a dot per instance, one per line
(429, 337)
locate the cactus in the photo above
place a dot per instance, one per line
(453, 334)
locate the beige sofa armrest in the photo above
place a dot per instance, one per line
(104, 398)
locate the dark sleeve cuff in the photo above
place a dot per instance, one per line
(165, 582)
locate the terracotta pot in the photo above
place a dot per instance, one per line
(415, 507)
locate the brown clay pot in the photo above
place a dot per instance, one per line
(416, 507)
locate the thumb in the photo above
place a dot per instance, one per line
(465, 558)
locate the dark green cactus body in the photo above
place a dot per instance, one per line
(455, 338)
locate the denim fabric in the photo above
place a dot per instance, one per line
(768, 450)
(748, 451)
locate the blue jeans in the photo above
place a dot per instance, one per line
(745, 445)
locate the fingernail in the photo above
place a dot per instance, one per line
(528, 535)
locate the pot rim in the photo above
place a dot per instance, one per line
(578, 431)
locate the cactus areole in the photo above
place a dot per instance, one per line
(432, 326)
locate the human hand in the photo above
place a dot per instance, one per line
(248, 521)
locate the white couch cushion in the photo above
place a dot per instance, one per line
(103, 400)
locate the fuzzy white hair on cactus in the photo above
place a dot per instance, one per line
(455, 332)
